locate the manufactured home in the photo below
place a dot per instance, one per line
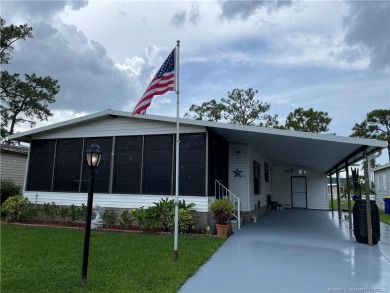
(13, 162)
(382, 183)
(255, 165)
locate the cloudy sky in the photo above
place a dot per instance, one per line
(332, 56)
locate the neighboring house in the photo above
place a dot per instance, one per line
(382, 183)
(138, 162)
(13, 162)
(342, 183)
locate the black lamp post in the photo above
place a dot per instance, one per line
(94, 155)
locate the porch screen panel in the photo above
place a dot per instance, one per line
(218, 158)
(157, 173)
(192, 164)
(127, 166)
(102, 176)
(68, 165)
(40, 169)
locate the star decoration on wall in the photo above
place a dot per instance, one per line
(237, 173)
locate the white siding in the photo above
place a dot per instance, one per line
(281, 185)
(120, 126)
(238, 154)
(265, 186)
(316, 186)
(317, 193)
(382, 185)
(13, 166)
(124, 201)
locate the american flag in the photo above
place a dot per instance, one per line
(163, 81)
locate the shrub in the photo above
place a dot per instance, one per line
(147, 218)
(165, 208)
(82, 212)
(50, 211)
(187, 219)
(125, 219)
(17, 208)
(139, 215)
(152, 217)
(8, 189)
(73, 213)
(63, 212)
(109, 218)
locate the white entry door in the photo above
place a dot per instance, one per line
(298, 192)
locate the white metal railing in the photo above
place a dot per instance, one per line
(221, 191)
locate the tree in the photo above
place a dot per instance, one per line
(307, 121)
(210, 111)
(375, 126)
(22, 100)
(240, 107)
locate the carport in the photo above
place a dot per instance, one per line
(327, 154)
(294, 251)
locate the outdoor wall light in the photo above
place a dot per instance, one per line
(94, 155)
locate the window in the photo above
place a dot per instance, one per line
(128, 162)
(68, 164)
(256, 178)
(266, 172)
(192, 164)
(40, 170)
(102, 177)
(384, 182)
(157, 173)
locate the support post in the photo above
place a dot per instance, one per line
(331, 193)
(338, 194)
(368, 202)
(349, 195)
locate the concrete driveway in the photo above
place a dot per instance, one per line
(295, 251)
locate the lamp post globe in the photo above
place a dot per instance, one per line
(94, 155)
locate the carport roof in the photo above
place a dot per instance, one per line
(312, 151)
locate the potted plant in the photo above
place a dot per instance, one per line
(222, 210)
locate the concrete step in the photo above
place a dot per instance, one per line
(234, 223)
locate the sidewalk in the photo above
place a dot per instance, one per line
(295, 251)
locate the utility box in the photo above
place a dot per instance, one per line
(387, 204)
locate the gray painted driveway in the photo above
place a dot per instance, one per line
(295, 251)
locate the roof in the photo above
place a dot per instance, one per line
(18, 149)
(322, 152)
(385, 166)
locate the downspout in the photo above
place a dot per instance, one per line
(369, 158)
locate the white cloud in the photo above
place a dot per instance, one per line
(303, 53)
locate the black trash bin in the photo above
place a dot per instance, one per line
(360, 222)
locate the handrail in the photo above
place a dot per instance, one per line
(222, 191)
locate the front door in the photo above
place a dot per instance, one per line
(298, 192)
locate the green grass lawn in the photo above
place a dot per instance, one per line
(43, 259)
(385, 218)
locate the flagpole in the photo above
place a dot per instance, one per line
(175, 250)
